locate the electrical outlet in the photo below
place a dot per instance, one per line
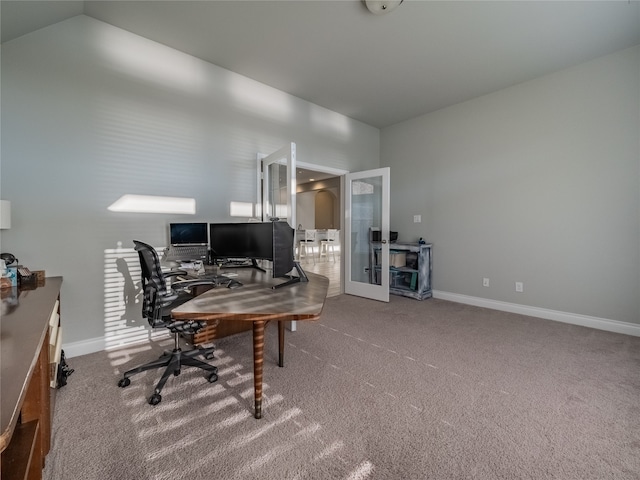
(519, 287)
(485, 282)
(417, 219)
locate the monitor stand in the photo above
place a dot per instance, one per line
(253, 264)
(301, 278)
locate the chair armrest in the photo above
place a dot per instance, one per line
(186, 284)
(173, 273)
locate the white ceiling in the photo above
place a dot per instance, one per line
(380, 69)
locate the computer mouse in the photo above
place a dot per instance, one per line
(234, 284)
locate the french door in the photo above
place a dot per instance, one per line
(367, 253)
(366, 201)
(277, 188)
(278, 185)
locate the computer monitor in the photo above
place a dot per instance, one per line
(283, 251)
(188, 234)
(241, 240)
(187, 242)
(256, 241)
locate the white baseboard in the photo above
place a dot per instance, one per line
(92, 345)
(98, 344)
(84, 347)
(565, 317)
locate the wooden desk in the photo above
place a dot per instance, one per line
(257, 302)
(26, 396)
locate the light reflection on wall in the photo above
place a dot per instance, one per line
(328, 122)
(123, 322)
(153, 204)
(260, 99)
(282, 210)
(151, 61)
(140, 135)
(241, 209)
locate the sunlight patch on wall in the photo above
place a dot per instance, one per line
(241, 209)
(123, 322)
(260, 99)
(282, 210)
(329, 122)
(151, 61)
(154, 204)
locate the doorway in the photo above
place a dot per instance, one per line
(319, 205)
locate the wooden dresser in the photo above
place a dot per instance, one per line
(30, 342)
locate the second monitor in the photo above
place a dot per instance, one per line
(255, 241)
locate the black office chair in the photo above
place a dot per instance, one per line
(157, 303)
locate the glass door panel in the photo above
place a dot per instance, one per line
(279, 185)
(367, 211)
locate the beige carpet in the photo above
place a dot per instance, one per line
(405, 390)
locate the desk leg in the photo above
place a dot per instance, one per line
(258, 358)
(281, 343)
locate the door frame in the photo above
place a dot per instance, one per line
(289, 152)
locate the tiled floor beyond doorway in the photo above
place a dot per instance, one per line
(329, 269)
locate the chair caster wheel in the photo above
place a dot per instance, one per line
(124, 382)
(209, 356)
(213, 378)
(176, 372)
(155, 399)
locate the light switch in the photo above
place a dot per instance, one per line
(417, 218)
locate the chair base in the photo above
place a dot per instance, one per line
(173, 362)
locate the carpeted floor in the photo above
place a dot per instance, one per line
(404, 390)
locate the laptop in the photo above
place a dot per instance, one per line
(188, 241)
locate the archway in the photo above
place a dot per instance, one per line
(326, 207)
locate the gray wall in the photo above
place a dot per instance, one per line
(91, 112)
(537, 183)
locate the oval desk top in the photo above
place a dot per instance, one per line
(257, 300)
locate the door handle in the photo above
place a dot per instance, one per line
(384, 241)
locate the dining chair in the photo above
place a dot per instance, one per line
(310, 242)
(328, 245)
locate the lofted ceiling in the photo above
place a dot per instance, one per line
(379, 69)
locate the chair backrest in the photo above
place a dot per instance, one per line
(153, 283)
(151, 267)
(333, 235)
(310, 235)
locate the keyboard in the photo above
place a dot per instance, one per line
(178, 254)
